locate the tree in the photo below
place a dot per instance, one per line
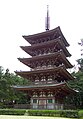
(7, 94)
(77, 84)
(2, 85)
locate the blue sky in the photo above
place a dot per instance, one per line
(25, 17)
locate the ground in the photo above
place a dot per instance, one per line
(29, 117)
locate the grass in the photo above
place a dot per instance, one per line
(29, 117)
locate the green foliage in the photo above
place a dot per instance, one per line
(54, 113)
(7, 94)
(80, 114)
(12, 112)
(77, 84)
(51, 113)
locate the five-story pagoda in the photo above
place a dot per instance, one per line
(48, 72)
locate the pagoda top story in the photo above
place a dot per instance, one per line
(46, 36)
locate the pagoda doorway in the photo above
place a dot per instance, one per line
(42, 104)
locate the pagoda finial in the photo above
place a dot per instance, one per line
(47, 19)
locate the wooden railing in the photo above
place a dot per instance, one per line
(22, 106)
(55, 106)
(45, 67)
(28, 106)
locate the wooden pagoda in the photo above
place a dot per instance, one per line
(48, 74)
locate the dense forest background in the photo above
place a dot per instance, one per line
(9, 96)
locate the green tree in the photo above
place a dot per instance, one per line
(77, 84)
(2, 85)
(7, 94)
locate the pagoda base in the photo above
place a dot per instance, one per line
(49, 106)
(45, 103)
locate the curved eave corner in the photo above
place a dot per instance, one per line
(60, 31)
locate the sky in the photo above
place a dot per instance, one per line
(26, 17)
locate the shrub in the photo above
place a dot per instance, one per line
(69, 113)
(12, 112)
(55, 113)
(80, 114)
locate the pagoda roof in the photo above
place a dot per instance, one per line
(60, 71)
(57, 55)
(57, 30)
(58, 88)
(58, 42)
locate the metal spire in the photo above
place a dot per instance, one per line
(47, 19)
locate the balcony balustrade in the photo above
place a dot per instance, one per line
(45, 67)
(45, 82)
